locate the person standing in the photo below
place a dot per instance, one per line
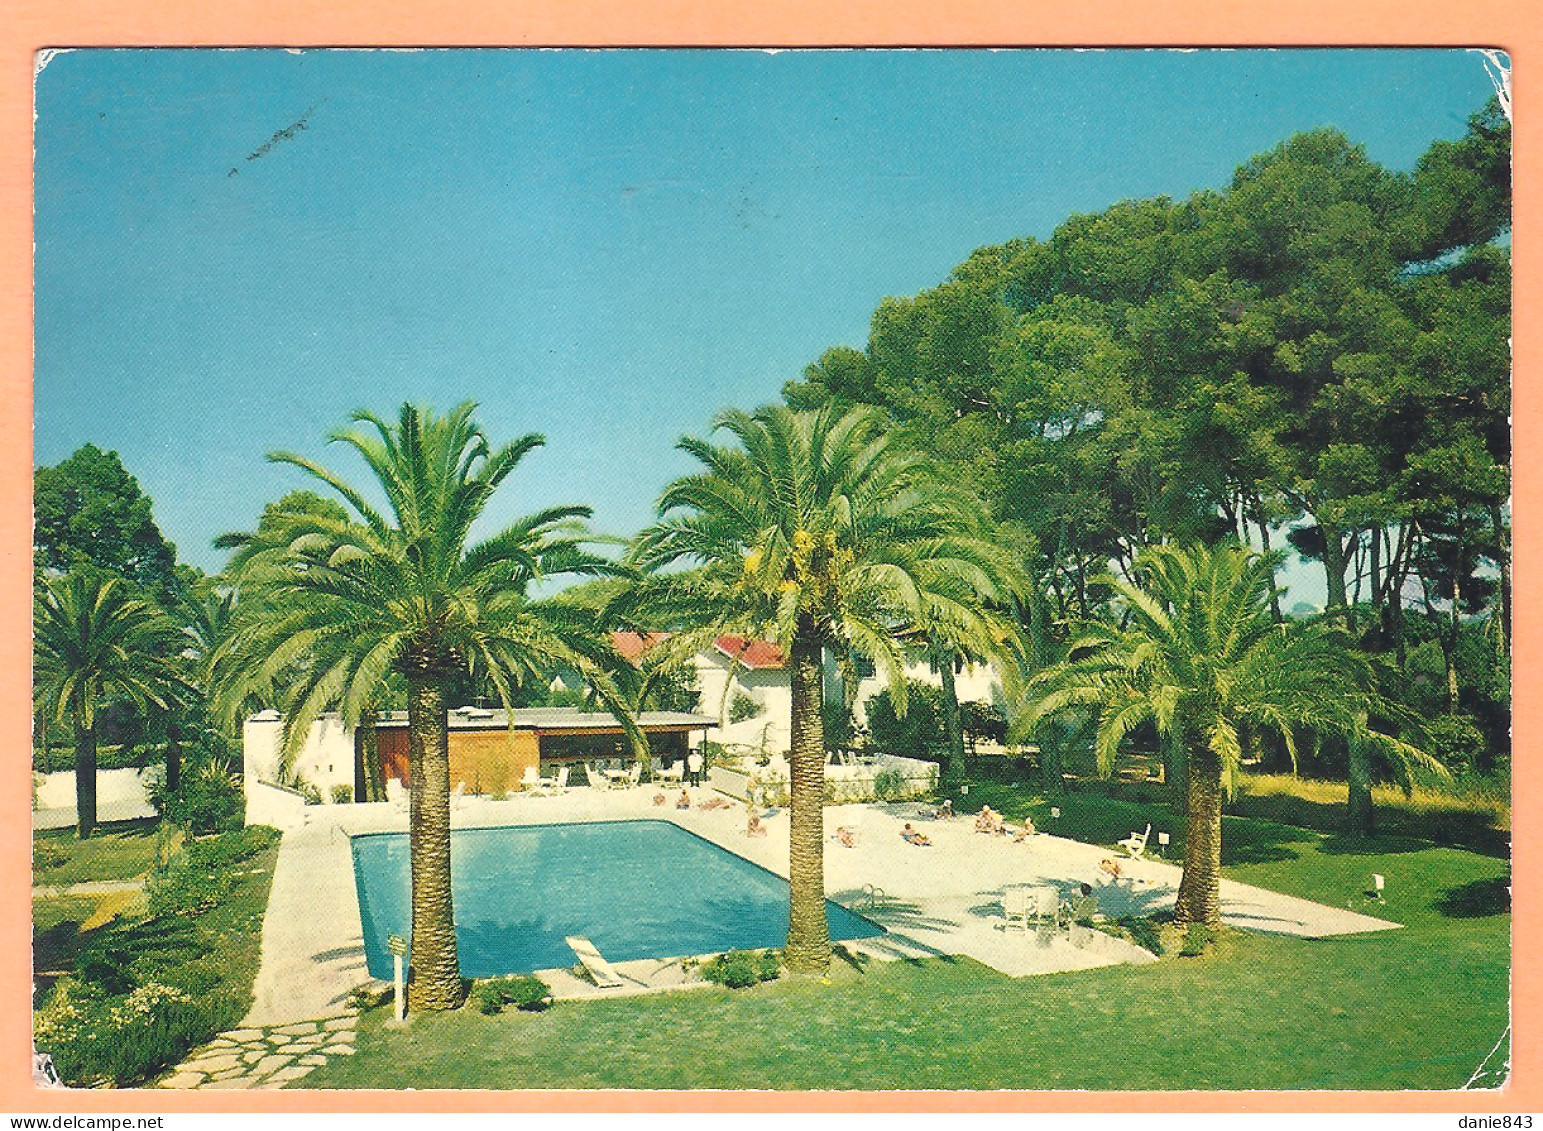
(694, 767)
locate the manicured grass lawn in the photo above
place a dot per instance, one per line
(124, 850)
(1419, 1007)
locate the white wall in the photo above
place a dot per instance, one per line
(768, 687)
(326, 759)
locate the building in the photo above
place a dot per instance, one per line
(490, 750)
(737, 674)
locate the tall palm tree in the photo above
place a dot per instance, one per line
(95, 643)
(816, 532)
(1200, 657)
(332, 602)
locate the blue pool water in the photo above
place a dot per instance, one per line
(637, 889)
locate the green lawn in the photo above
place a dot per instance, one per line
(124, 850)
(1419, 1007)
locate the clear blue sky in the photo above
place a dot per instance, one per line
(604, 247)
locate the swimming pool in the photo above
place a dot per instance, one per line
(637, 889)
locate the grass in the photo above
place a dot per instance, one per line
(1255, 1012)
(124, 850)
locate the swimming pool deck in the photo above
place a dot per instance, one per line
(939, 900)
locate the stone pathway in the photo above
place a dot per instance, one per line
(265, 1058)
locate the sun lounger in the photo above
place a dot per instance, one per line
(598, 969)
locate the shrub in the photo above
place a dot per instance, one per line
(889, 784)
(743, 707)
(740, 968)
(308, 791)
(1142, 932)
(342, 794)
(209, 799)
(202, 875)
(916, 734)
(523, 991)
(120, 1039)
(1197, 936)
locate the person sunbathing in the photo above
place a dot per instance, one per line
(846, 837)
(660, 799)
(989, 821)
(943, 812)
(1024, 833)
(683, 801)
(1110, 867)
(911, 836)
(715, 802)
(754, 827)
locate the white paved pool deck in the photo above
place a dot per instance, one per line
(938, 900)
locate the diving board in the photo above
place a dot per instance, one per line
(595, 966)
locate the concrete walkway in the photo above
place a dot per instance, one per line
(941, 900)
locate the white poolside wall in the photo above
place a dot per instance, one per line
(326, 759)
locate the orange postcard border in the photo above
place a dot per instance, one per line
(31, 25)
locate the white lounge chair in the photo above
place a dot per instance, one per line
(1136, 843)
(559, 784)
(596, 779)
(1016, 903)
(530, 781)
(458, 795)
(598, 969)
(673, 773)
(396, 794)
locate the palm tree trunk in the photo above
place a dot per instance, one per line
(436, 978)
(1359, 815)
(953, 729)
(369, 772)
(808, 949)
(85, 779)
(1199, 899)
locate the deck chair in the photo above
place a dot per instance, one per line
(598, 969)
(675, 772)
(1136, 843)
(396, 794)
(458, 795)
(635, 773)
(1016, 905)
(1044, 905)
(596, 780)
(530, 781)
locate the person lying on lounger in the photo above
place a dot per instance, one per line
(912, 836)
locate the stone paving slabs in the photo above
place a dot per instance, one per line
(254, 1057)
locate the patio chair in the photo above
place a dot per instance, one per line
(530, 781)
(634, 773)
(458, 795)
(598, 969)
(675, 772)
(1136, 843)
(1017, 903)
(1045, 905)
(596, 779)
(396, 794)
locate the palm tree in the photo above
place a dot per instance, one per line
(817, 533)
(95, 643)
(333, 602)
(1200, 657)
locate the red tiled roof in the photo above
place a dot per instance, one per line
(632, 645)
(751, 653)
